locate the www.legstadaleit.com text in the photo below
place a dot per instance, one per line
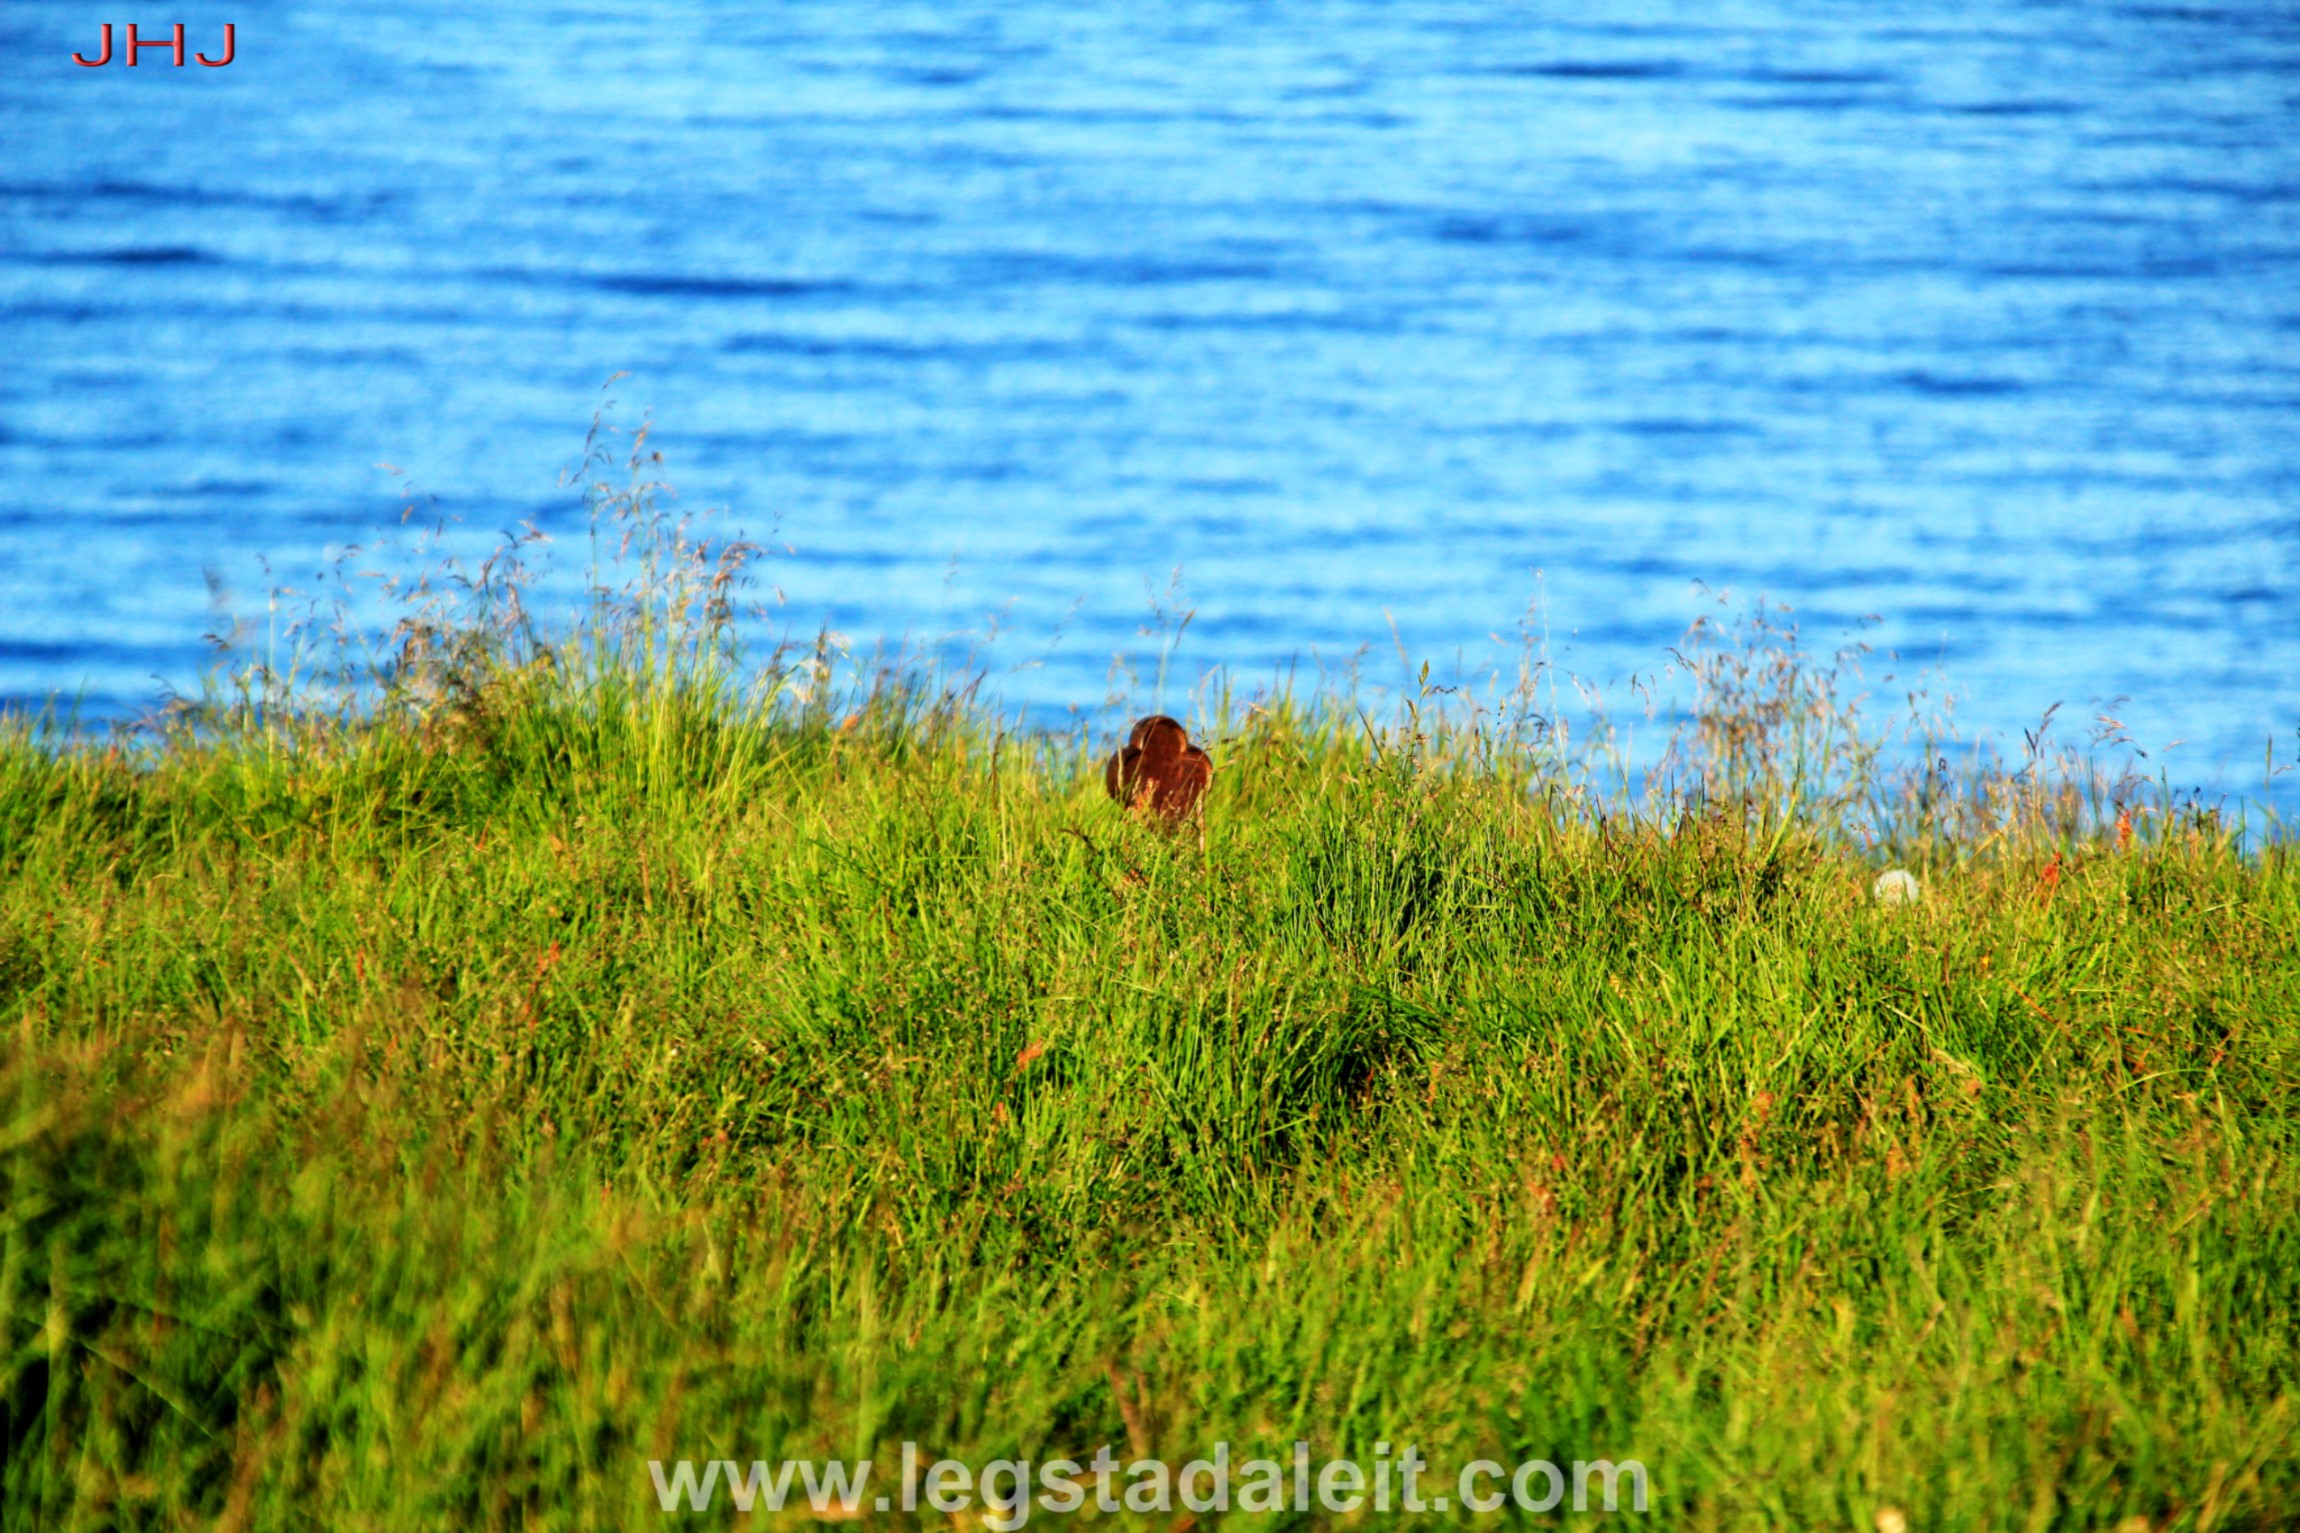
(1008, 1490)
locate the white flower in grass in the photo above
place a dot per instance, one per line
(1896, 886)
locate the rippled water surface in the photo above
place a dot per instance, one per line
(1982, 319)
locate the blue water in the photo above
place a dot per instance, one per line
(1982, 319)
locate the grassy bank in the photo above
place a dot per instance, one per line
(426, 1115)
(431, 1130)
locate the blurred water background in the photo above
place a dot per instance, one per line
(1031, 327)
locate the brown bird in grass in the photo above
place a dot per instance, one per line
(1161, 768)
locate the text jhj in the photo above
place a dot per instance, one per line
(135, 47)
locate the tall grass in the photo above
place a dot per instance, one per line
(431, 1095)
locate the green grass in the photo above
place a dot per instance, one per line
(413, 1136)
(425, 1116)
